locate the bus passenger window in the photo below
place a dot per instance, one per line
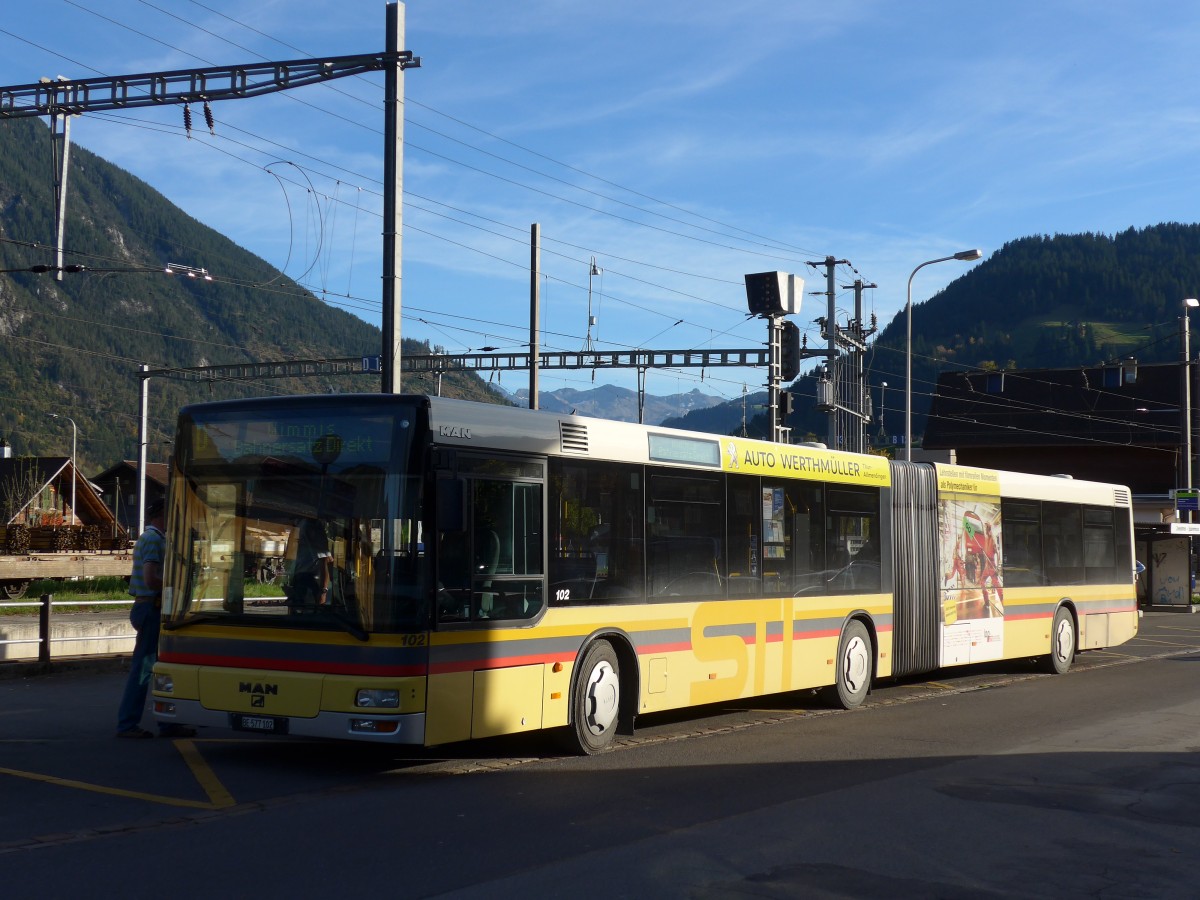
(853, 541)
(685, 521)
(749, 557)
(595, 533)
(805, 521)
(1063, 549)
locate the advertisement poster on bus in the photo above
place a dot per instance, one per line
(971, 547)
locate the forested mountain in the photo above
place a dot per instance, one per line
(73, 347)
(1052, 302)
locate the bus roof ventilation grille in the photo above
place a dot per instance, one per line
(572, 437)
(1121, 497)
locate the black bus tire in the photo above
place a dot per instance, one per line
(855, 666)
(595, 701)
(1062, 643)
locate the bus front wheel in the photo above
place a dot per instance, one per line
(596, 701)
(1062, 643)
(854, 666)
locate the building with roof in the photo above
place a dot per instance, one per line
(120, 486)
(46, 492)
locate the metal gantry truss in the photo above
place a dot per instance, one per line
(440, 363)
(80, 95)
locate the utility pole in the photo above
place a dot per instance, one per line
(61, 159)
(143, 437)
(830, 332)
(535, 310)
(856, 335)
(591, 320)
(393, 197)
(841, 393)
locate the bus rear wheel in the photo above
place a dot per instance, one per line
(596, 701)
(1062, 643)
(854, 666)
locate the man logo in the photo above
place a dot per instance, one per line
(259, 691)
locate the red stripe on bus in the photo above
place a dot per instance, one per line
(281, 665)
(497, 662)
(677, 647)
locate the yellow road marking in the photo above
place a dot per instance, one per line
(101, 789)
(205, 776)
(218, 797)
(935, 684)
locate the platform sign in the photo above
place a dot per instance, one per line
(1185, 528)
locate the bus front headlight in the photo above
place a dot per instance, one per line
(377, 698)
(164, 684)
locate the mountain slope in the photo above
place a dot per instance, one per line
(606, 401)
(73, 347)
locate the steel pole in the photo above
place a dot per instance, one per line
(393, 200)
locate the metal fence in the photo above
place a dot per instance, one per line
(45, 637)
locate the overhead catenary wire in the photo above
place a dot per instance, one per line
(358, 302)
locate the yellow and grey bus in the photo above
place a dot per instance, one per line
(458, 570)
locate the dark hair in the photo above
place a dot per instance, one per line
(155, 507)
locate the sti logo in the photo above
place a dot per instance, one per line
(732, 451)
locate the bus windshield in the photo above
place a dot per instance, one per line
(305, 513)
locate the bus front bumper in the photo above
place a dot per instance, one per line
(407, 728)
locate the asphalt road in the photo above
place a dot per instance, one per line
(995, 781)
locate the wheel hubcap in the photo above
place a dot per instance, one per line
(1064, 642)
(856, 664)
(602, 697)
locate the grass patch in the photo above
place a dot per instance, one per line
(100, 591)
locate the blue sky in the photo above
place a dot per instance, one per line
(680, 144)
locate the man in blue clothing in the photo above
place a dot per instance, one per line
(145, 584)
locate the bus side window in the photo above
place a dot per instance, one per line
(595, 532)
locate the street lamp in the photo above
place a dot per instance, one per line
(964, 255)
(74, 474)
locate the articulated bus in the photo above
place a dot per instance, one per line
(485, 570)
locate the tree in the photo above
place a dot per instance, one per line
(16, 490)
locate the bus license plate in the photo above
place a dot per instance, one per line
(268, 724)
